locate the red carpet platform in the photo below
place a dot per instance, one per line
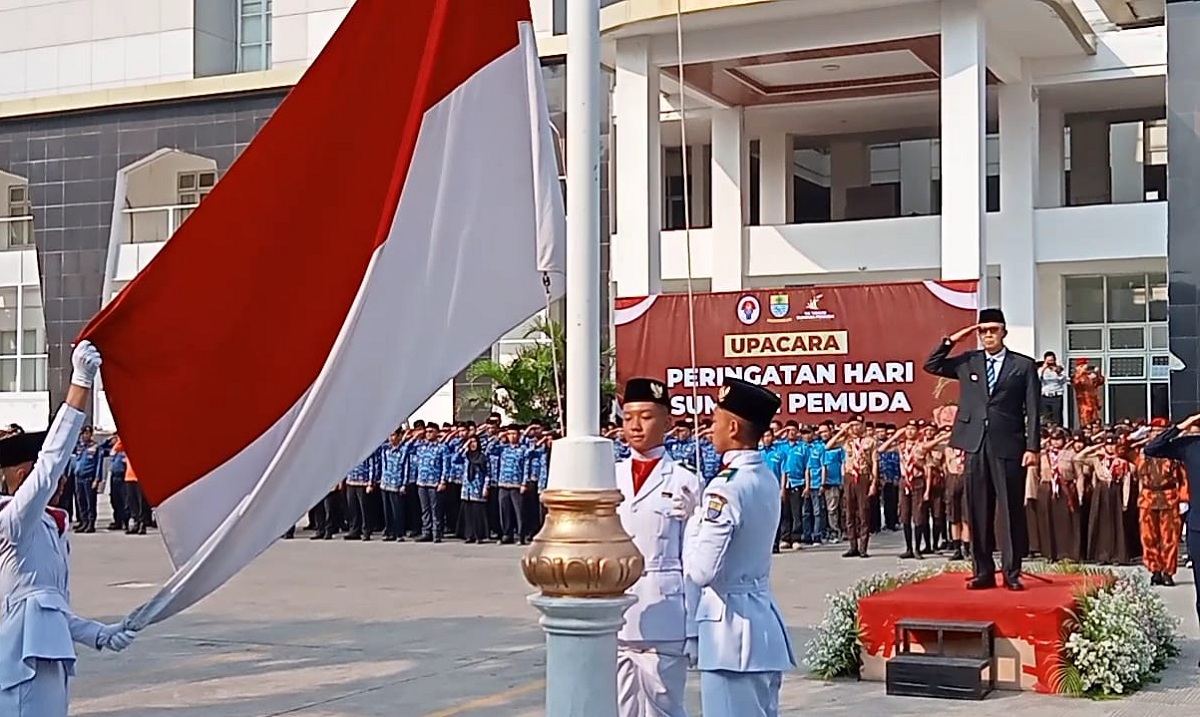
(1028, 624)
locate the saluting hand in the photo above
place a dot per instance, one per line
(963, 333)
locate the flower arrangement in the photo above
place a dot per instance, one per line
(1119, 638)
(834, 652)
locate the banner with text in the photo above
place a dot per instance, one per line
(828, 351)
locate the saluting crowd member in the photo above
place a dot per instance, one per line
(391, 484)
(1059, 501)
(512, 471)
(476, 484)
(1111, 476)
(38, 628)
(861, 482)
(1164, 489)
(998, 426)
(915, 485)
(743, 644)
(429, 480)
(660, 494)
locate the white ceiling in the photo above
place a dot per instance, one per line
(836, 69)
(1108, 95)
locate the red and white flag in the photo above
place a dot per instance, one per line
(391, 221)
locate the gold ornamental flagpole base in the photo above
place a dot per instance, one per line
(582, 550)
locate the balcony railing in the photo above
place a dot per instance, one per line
(16, 233)
(144, 225)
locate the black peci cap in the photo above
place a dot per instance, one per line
(991, 316)
(749, 401)
(20, 448)
(646, 390)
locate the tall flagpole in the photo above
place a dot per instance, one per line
(582, 560)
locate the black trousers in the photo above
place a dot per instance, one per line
(412, 509)
(451, 502)
(1193, 548)
(431, 511)
(512, 517)
(474, 520)
(996, 512)
(796, 513)
(393, 514)
(1052, 410)
(139, 508)
(116, 498)
(493, 513)
(891, 505)
(356, 503)
(531, 506)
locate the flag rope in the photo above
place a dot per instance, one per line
(687, 222)
(558, 393)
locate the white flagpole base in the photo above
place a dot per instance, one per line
(581, 649)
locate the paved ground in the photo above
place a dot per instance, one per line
(330, 629)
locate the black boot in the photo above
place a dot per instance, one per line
(958, 550)
(908, 544)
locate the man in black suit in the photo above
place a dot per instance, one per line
(997, 426)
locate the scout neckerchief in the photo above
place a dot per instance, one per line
(912, 467)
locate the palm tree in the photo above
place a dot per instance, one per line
(524, 387)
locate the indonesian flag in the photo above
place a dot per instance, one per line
(393, 219)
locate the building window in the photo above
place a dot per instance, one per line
(23, 359)
(1118, 324)
(18, 220)
(254, 35)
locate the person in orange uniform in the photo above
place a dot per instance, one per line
(1087, 382)
(1162, 489)
(135, 499)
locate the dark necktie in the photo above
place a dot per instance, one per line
(991, 374)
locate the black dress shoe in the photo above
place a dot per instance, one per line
(1156, 579)
(1014, 585)
(1168, 581)
(981, 584)
(851, 553)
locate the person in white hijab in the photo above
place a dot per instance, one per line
(37, 627)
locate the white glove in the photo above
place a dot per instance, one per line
(683, 504)
(1183, 508)
(85, 362)
(691, 650)
(115, 637)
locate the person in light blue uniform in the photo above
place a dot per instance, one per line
(390, 484)
(358, 483)
(430, 482)
(833, 469)
(38, 629)
(743, 644)
(681, 445)
(796, 474)
(456, 465)
(477, 482)
(536, 464)
(511, 474)
(775, 455)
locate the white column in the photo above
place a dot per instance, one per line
(1125, 150)
(849, 167)
(1019, 139)
(963, 143)
(916, 177)
(698, 164)
(1052, 156)
(637, 246)
(775, 187)
(1091, 176)
(730, 197)
(581, 648)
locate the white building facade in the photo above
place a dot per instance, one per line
(827, 141)
(872, 140)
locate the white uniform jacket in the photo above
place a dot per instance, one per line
(729, 540)
(660, 613)
(37, 622)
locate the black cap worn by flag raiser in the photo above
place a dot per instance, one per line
(20, 448)
(749, 401)
(991, 316)
(646, 390)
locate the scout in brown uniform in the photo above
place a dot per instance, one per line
(1058, 501)
(936, 540)
(861, 482)
(1106, 540)
(914, 484)
(1161, 482)
(954, 462)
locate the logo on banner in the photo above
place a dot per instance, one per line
(779, 307)
(748, 310)
(813, 310)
